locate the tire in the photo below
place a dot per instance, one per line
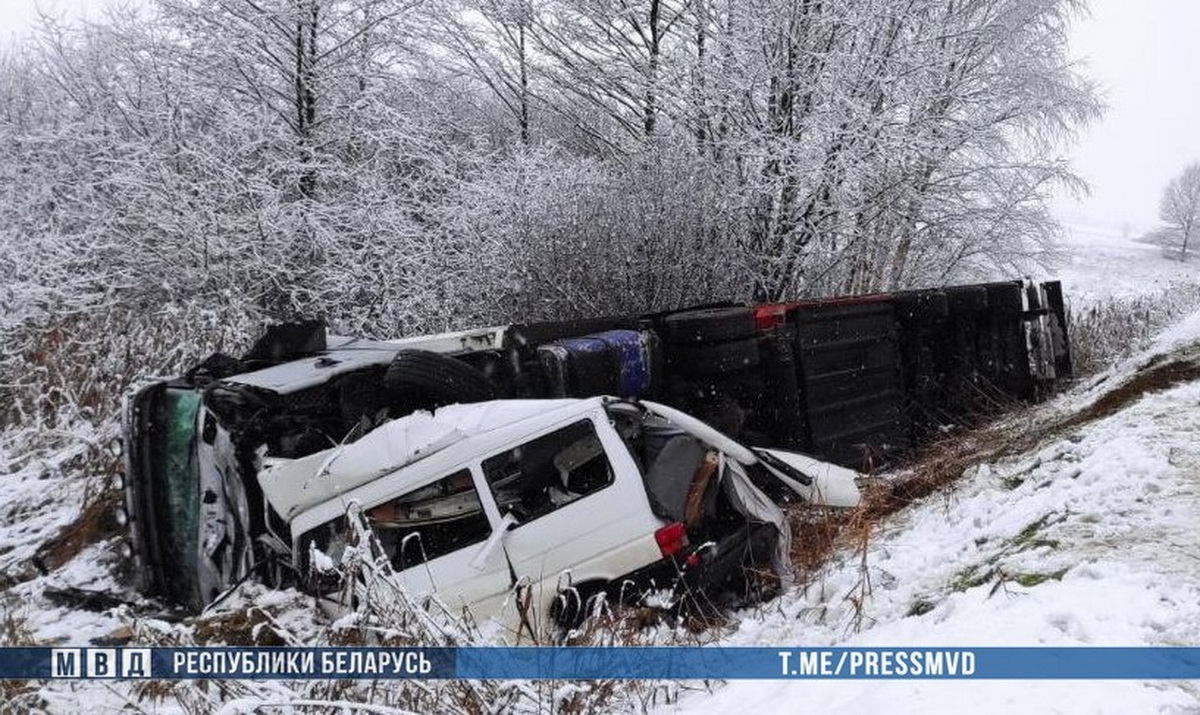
(717, 358)
(709, 325)
(436, 379)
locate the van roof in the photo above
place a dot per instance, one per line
(292, 486)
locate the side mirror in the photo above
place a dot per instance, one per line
(494, 541)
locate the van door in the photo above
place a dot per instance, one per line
(433, 536)
(580, 508)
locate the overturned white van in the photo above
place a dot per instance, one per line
(562, 498)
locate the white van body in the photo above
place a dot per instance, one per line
(597, 537)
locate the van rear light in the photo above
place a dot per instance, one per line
(671, 538)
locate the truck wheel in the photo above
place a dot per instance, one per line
(717, 358)
(709, 325)
(436, 378)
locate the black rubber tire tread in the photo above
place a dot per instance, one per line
(438, 377)
(717, 358)
(709, 325)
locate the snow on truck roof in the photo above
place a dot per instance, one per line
(346, 354)
(292, 486)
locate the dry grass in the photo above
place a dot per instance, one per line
(94, 524)
(1105, 331)
(931, 469)
(78, 366)
(250, 627)
(62, 381)
(1161, 373)
(819, 531)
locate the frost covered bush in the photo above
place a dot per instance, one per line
(574, 237)
(399, 167)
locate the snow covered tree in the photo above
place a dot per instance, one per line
(614, 58)
(1180, 208)
(491, 40)
(344, 157)
(902, 144)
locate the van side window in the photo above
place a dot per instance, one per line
(421, 525)
(431, 521)
(549, 472)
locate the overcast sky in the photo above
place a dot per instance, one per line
(1144, 53)
(1146, 56)
(17, 15)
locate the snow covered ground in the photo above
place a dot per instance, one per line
(1100, 262)
(1089, 539)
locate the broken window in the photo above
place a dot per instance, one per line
(431, 521)
(419, 526)
(549, 472)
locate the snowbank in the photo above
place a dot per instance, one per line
(1090, 540)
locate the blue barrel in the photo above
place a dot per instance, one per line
(593, 366)
(631, 349)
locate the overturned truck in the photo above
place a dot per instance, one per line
(546, 463)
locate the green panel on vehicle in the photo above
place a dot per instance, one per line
(176, 479)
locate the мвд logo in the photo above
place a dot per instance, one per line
(100, 663)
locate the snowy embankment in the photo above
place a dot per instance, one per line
(1088, 539)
